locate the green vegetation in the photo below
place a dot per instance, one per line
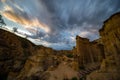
(74, 78)
(2, 23)
(69, 55)
(81, 67)
(15, 29)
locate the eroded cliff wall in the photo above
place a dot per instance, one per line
(18, 56)
(87, 52)
(22, 60)
(13, 53)
(110, 37)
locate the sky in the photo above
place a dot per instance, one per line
(55, 23)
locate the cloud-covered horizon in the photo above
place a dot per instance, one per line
(57, 22)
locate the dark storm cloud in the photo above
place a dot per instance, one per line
(79, 11)
(87, 15)
(59, 21)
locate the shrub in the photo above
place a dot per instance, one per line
(74, 78)
(70, 55)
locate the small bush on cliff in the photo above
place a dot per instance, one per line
(81, 67)
(74, 78)
(2, 23)
(70, 55)
(15, 29)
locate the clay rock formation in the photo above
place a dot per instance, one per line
(13, 53)
(63, 72)
(87, 52)
(22, 60)
(18, 54)
(42, 60)
(45, 63)
(110, 37)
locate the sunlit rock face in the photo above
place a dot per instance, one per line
(45, 64)
(110, 37)
(36, 64)
(87, 52)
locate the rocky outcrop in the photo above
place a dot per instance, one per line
(110, 37)
(63, 72)
(22, 60)
(42, 60)
(17, 54)
(87, 52)
(13, 53)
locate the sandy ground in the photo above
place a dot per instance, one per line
(63, 71)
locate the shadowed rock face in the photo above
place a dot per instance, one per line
(13, 53)
(110, 37)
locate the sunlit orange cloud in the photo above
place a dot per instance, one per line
(27, 23)
(3, 0)
(36, 22)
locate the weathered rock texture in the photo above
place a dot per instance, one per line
(13, 53)
(22, 60)
(110, 37)
(87, 52)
